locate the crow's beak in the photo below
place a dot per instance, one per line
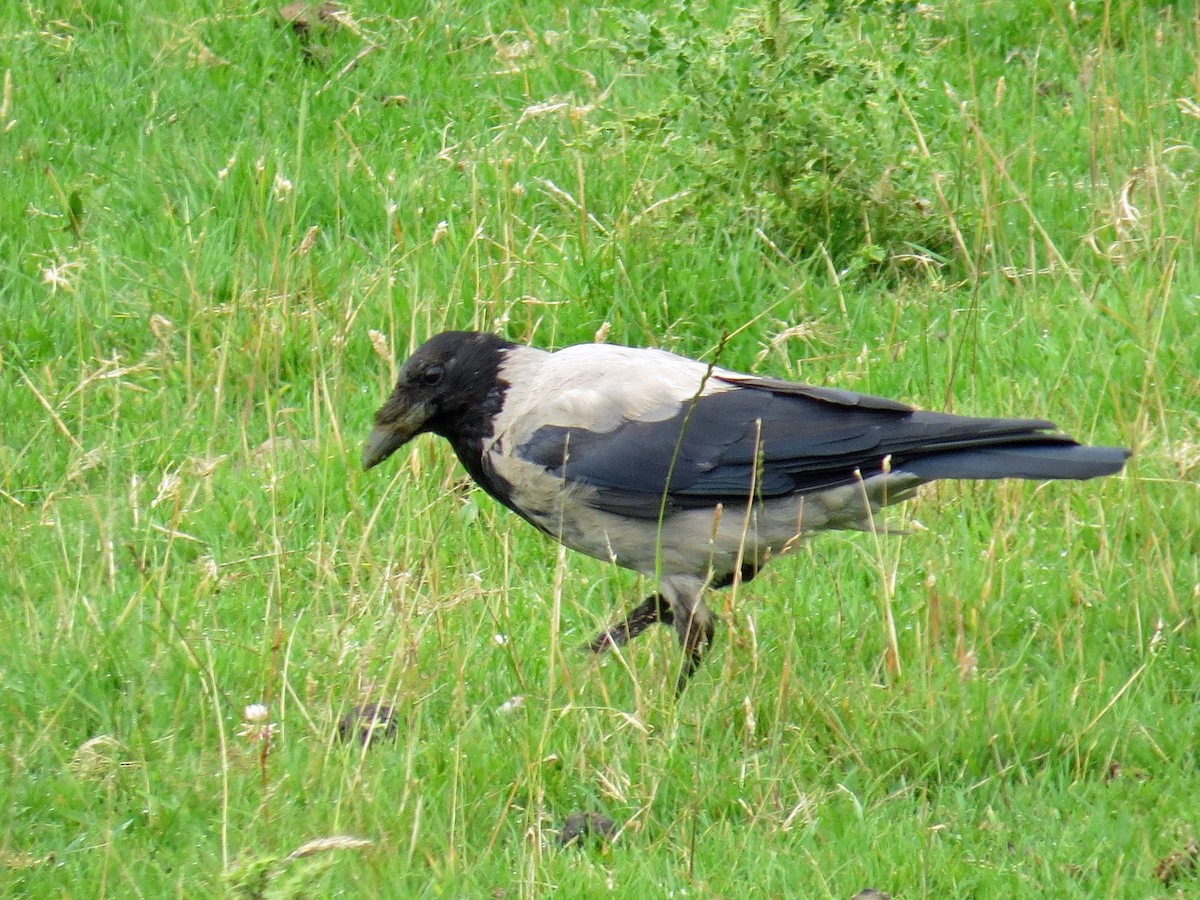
(395, 426)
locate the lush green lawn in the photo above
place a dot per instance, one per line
(218, 237)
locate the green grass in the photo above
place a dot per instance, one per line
(215, 243)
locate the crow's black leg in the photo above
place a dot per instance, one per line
(695, 627)
(653, 609)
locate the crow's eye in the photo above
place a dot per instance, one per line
(432, 375)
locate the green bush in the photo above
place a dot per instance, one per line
(791, 121)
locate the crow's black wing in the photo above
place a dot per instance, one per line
(771, 439)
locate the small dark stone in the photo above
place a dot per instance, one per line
(871, 894)
(368, 724)
(580, 825)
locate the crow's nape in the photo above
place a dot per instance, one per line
(1035, 461)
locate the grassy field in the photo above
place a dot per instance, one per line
(220, 234)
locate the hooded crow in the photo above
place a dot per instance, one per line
(687, 472)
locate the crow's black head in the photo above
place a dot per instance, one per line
(449, 386)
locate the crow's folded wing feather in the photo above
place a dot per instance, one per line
(758, 436)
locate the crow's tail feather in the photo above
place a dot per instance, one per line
(1035, 461)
